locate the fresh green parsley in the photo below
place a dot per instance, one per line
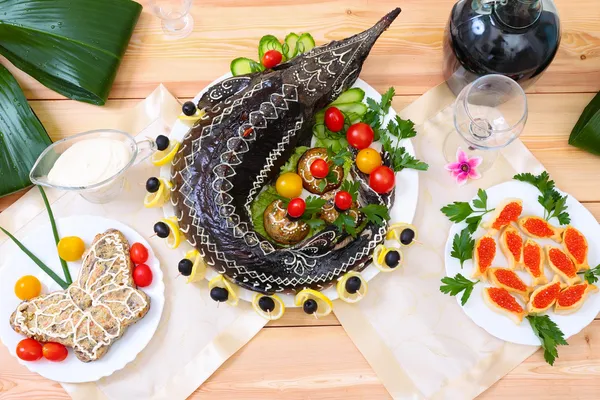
(345, 222)
(456, 285)
(591, 275)
(549, 334)
(399, 157)
(462, 211)
(351, 187)
(375, 213)
(555, 205)
(313, 206)
(462, 246)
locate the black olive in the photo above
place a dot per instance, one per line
(189, 108)
(392, 258)
(185, 267)
(407, 236)
(310, 306)
(152, 185)
(353, 284)
(161, 229)
(219, 294)
(266, 304)
(162, 142)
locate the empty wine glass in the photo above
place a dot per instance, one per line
(176, 19)
(488, 115)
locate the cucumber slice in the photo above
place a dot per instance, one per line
(352, 95)
(305, 43)
(243, 66)
(354, 111)
(268, 42)
(290, 42)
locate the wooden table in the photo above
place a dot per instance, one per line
(299, 357)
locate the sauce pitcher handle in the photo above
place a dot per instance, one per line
(145, 148)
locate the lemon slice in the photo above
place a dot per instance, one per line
(395, 230)
(220, 281)
(161, 196)
(273, 315)
(160, 158)
(198, 266)
(379, 258)
(174, 238)
(351, 297)
(325, 306)
(199, 114)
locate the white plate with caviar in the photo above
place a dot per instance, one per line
(403, 210)
(40, 241)
(498, 324)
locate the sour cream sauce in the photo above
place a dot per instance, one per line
(89, 162)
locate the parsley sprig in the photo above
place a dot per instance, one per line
(462, 211)
(555, 205)
(462, 246)
(550, 335)
(399, 157)
(378, 111)
(456, 285)
(345, 222)
(591, 275)
(375, 213)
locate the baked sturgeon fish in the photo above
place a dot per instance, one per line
(251, 126)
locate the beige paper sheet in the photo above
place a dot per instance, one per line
(418, 340)
(194, 337)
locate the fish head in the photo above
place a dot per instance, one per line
(323, 73)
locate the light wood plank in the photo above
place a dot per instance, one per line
(409, 55)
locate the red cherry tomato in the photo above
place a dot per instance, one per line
(271, 59)
(138, 253)
(319, 168)
(296, 207)
(382, 179)
(334, 119)
(54, 351)
(29, 350)
(142, 275)
(360, 135)
(343, 200)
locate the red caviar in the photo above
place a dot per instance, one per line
(515, 244)
(562, 262)
(510, 213)
(503, 299)
(576, 244)
(510, 279)
(486, 251)
(546, 296)
(538, 227)
(532, 259)
(571, 295)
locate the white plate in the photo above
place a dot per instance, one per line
(405, 204)
(497, 324)
(41, 242)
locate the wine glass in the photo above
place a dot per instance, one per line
(176, 19)
(488, 115)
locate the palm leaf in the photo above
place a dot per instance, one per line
(73, 47)
(22, 136)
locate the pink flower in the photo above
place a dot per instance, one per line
(464, 168)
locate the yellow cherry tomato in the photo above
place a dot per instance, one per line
(367, 160)
(289, 185)
(71, 248)
(28, 287)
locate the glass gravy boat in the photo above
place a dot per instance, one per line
(104, 190)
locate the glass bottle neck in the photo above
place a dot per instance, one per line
(518, 14)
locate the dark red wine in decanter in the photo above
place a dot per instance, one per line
(515, 38)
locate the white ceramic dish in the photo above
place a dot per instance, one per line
(497, 324)
(41, 242)
(405, 204)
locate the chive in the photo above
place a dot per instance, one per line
(63, 263)
(36, 260)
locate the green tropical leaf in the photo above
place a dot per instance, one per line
(72, 47)
(22, 136)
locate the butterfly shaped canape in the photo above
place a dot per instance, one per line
(508, 279)
(571, 298)
(539, 228)
(500, 300)
(562, 265)
(545, 296)
(509, 210)
(95, 311)
(533, 262)
(511, 244)
(576, 247)
(483, 256)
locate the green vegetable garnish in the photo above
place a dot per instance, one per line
(292, 163)
(461, 210)
(63, 263)
(550, 335)
(462, 246)
(456, 285)
(376, 213)
(258, 207)
(554, 204)
(591, 275)
(345, 222)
